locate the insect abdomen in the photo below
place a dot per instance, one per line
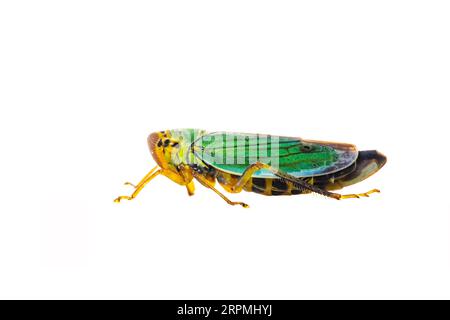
(264, 186)
(272, 187)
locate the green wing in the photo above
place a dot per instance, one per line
(234, 152)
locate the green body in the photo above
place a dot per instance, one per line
(225, 157)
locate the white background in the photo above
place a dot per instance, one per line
(82, 84)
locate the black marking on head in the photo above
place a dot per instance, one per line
(279, 184)
(261, 183)
(159, 143)
(175, 144)
(166, 142)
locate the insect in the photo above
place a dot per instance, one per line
(264, 164)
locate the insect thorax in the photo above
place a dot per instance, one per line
(178, 150)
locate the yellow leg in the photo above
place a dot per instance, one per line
(143, 179)
(208, 185)
(247, 175)
(251, 169)
(358, 195)
(190, 188)
(148, 177)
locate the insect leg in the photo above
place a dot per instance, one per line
(208, 185)
(143, 179)
(299, 183)
(148, 177)
(190, 188)
(359, 195)
(246, 176)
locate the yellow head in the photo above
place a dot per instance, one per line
(168, 149)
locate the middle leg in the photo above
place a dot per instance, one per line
(209, 185)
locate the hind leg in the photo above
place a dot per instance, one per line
(359, 195)
(299, 183)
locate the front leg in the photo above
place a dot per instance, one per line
(148, 177)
